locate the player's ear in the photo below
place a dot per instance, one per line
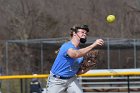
(74, 33)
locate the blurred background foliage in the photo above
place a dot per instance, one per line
(40, 19)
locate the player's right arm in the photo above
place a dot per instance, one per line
(81, 52)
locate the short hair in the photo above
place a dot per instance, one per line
(76, 27)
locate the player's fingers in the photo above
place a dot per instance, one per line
(100, 43)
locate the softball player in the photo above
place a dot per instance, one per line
(63, 73)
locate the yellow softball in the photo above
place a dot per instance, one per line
(110, 18)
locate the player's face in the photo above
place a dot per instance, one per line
(82, 33)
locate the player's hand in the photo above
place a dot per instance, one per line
(99, 42)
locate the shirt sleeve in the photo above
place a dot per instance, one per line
(65, 48)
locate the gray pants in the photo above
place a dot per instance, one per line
(55, 85)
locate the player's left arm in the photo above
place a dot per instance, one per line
(83, 71)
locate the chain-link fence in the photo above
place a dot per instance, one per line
(37, 55)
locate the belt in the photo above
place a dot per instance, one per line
(60, 77)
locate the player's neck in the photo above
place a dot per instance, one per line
(75, 42)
